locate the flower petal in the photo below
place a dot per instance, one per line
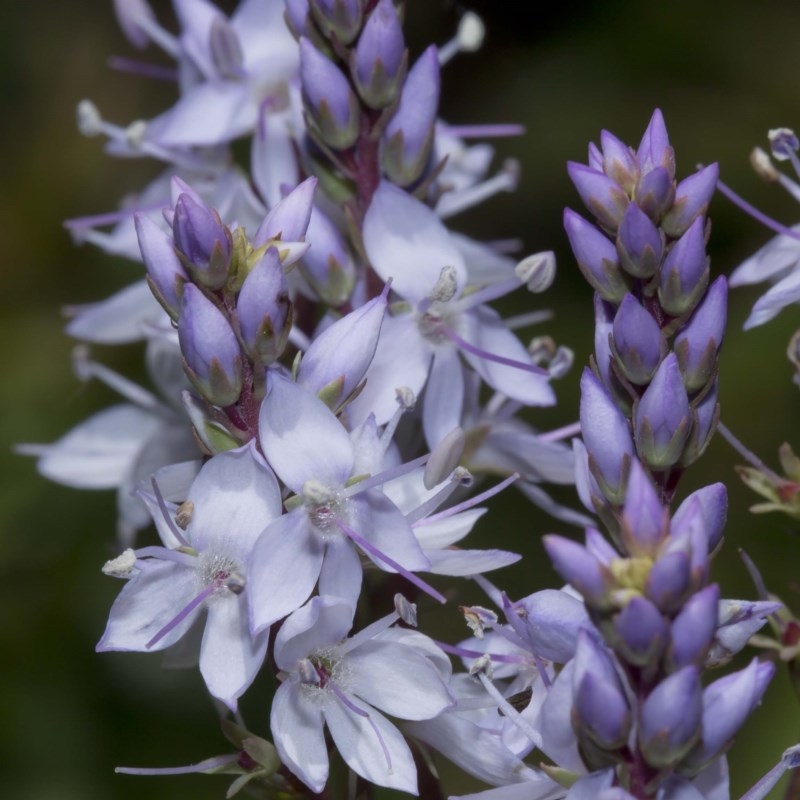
(229, 657)
(150, 600)
(398, 680)
(465, 563)
(407, 242)
(301, 437)
(235, 497)
(284, 566)
(341, 571)
(298, 736)
(372, 746)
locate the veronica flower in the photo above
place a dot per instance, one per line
(202, 570)
(334, 512)
(329, 680)
(405, 241)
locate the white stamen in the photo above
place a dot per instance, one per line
(135, 133)
(783, 143)
(507, 180)
(762, 164)
(469, 37)
(537, 271)
(90, 123)
(121, 566)
(445, 287)
(482, 666)
(406, 610)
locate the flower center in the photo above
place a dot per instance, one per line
(324, 506)
(221, 572)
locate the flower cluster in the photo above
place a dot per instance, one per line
(334, 382)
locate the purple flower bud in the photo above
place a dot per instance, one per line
(327, 265)
(669, 581)
(205, 244)
(297, 17)
(640, 632)
(409, 135)
(378, 61)
(619, 161)
(670, 718)
(339, 18)
(727, 703)
(596, 257)
(684, 274)
(599, 547)
(595, 159)
(264, 309)
(165, 274)
(692, 196)
(637, 342)
(338, 358)
(601, 195)
(705, 416)
(579, 568)
(655, 193)
(708, 508)
(601, 713)
(606, 436)
(693, 629)
(644, 518)
(211, 354)
(639, 243)
(699, 340)
(552, 620)
(328, 98)
(663, 417)
(288, 220)
(654, 150)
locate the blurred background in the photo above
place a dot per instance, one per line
(721, 73)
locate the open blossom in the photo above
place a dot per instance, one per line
(330, 680)
(422, 346)
(202, 571)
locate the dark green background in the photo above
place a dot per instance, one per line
(723, 73)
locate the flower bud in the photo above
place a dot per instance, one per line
(684, 274)
(327, 265)
(644, 518)
(640, 632)
(601, 195)
(699, 340)
(212, 358)
(601, 713)
(165, 274)
(264, 309)
(668, 583)
(378, 61)
(409, 135)
(654, 149)
(692, 196)
(727, 703)
(662, 420)
(288, 220)
(637, 341)
(692, 631)
(297, 15)
(619, 161)
(339, 18)
(596, 257)
(338, 358)
(579, 568)
(705, 416)
(606, 436)
(655, 193)
(708, 508)
(328, 98)
(203, 242)
(551, 621)
(670, 718)
(639, 243)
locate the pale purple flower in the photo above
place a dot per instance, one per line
(330, 680)
(203, 571)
